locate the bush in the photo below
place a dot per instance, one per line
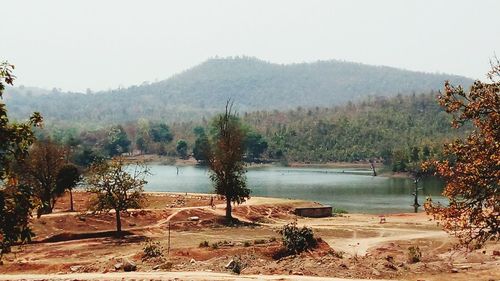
(339, 211)
(247, 244)
(414, 254)
(215, 246)
(259, 241)
(204, 244)
(152, 250)
(297, 240)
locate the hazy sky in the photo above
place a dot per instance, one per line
(74, 45)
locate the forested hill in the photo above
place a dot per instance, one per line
(253, 84)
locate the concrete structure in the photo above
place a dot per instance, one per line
(314, 212)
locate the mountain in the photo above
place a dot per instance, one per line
(251, 83)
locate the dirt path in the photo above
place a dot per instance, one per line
(191, 275)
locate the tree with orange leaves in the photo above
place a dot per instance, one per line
(472, 168)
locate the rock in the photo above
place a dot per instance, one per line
(156, 267)
(1, 262)
(118, 266)
(454, 270)
(390, 266)
(496, 252)
(342, 265)
(132, 224)
(129, 266)
(81, 218)
(230, 264)
(194, 218)
(75, 268)
(192, 261)
(376, 272)
(167, 265)
(297, 273)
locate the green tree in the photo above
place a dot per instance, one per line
(182, 148)
(117, 187)
(225, 159)
(68, 177)
(201, 145)
(117, 141)
(160, 132)
(15, 200)
(255, 145)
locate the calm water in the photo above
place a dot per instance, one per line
(352, 190)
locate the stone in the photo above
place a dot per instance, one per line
(192, 261)
(75, 268)
(496, 252)
(230, 264)
(194, 218)
(376, 272)
(129, 266)
(118, 266)
(454, 270)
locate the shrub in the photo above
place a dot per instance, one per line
(215, 246)
(259, 241)
(272, 239)
(339, 211)
(204, 244)
(152, 250)
(247, 244)
(414, 254)
(297, 240)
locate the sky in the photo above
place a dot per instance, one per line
(75, 45)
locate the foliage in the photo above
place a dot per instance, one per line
(472, 167)
(152, 250)
(15, 210)
(160, 133)
(117, 142)
(204, 244)
(225, 159)
(67, 178)
(296, 240)
(414, 254)
(40, 171)
(201, 145)
(182, 148)
(255, 144)
(15, 200)
(116, 186)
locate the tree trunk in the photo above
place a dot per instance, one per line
(71, 200)
(228, 209)
(118, 222)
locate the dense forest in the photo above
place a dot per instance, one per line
(202, 90)
(401, 131)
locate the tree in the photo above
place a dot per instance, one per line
(117, 187)
(181, 148)
(160, 132)
(472, 170)
(40, 171)
(67, 179)
(117, 141)
(255, 144)
(225, 159)
(201, 145)
(15, 199)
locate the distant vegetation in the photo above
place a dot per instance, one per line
(401, 131)
(201, 91)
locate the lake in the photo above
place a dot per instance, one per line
(354, 190)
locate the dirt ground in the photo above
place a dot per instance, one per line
(81, 246)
